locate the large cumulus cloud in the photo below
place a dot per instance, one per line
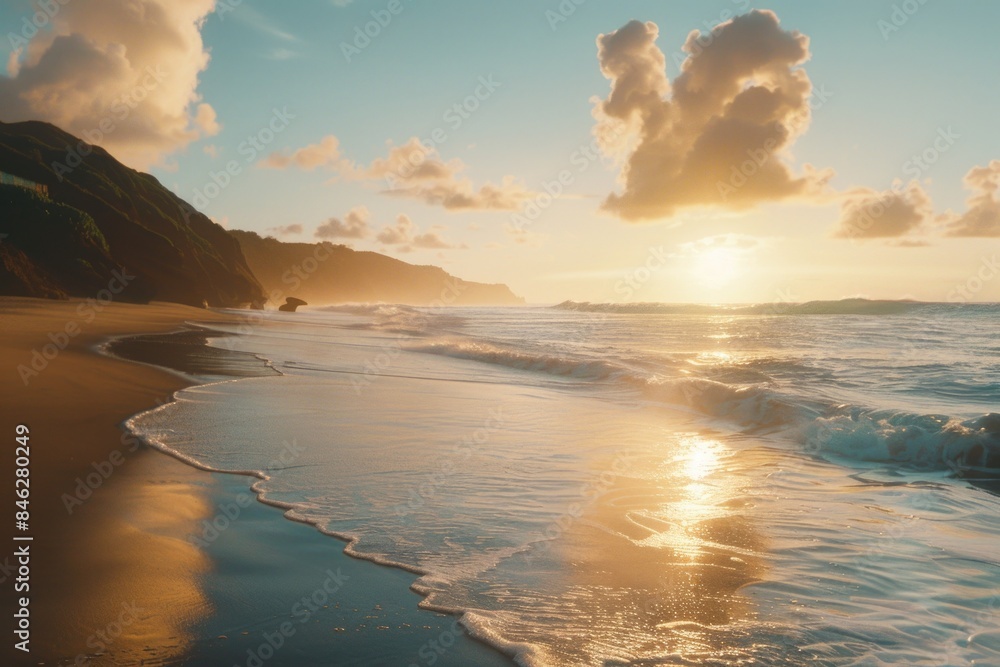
(720, 135)
(119, 73)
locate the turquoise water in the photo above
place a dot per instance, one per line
(655, 484)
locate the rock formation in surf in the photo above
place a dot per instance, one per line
(291, 303)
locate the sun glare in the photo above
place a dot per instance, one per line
(717, 267)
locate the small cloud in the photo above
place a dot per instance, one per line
(523, 236)
(417, 171)
(398, 234)
(982, 219)
(286, 230)
(206, 119)
(908, 243)
(353, 226)
(406, 235)
(325, 154)
(211, 150)
(14, 62)
(431, 240)
(870, 214)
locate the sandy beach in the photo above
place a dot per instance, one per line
(122, 567)
(108, 518)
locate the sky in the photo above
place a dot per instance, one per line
(715, 151)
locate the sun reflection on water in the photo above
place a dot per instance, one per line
(662, 557)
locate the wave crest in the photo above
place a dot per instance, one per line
(969, 448)
(841, 307)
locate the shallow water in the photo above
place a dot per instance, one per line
(659, 486)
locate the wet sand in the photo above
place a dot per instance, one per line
(111, 571)
(127, 566)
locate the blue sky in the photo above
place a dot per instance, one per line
(889, 95)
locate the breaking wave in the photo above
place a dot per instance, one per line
(969, 448)
(841, 307)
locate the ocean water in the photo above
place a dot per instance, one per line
(592, 484)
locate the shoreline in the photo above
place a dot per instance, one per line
(141, 523)
(433, 621)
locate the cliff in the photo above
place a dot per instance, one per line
(323, 273)
(101, 217)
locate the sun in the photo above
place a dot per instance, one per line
(716, 267)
